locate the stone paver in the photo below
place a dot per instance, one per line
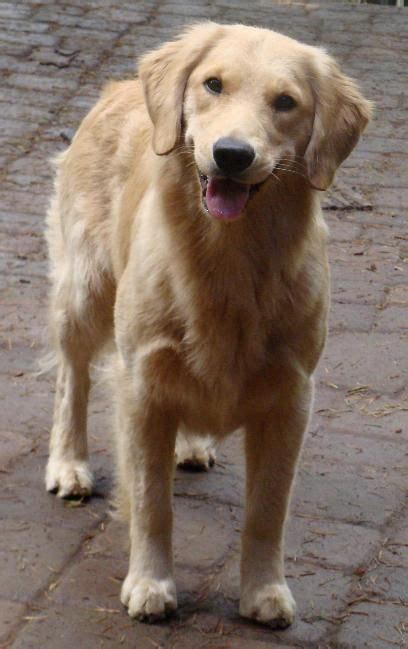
(61, 565)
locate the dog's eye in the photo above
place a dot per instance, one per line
(213, 85)
(284, 103)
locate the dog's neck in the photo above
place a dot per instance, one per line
(275, 222)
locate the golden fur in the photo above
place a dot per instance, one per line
(218, 325)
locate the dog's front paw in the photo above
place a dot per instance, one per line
(149, 600)
(69, 478)
(273, 605)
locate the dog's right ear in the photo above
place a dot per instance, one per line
(164, 74)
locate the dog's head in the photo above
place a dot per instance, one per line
(250, 102)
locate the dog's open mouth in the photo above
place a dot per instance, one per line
(224, 198)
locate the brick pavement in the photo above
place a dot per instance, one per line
(61, 564)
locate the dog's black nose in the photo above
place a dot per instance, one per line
(232, 156)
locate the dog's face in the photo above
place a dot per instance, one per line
(249, 111)
(250, 102)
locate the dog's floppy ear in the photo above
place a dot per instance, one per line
(164, 74)
(341, 114)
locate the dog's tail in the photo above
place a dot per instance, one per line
(46, 363)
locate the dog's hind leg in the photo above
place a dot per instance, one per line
(80, 322)
(194, 452)
(67, 469)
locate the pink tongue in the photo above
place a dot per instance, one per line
(225, 198)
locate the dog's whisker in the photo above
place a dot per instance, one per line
(293, 162)
(291, 171)
(289, 167)
(275, 177)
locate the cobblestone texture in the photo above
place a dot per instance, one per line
(60, 565)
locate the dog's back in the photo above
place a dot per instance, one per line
(111, 144)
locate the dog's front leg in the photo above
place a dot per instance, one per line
(273, 442)
(146, 441)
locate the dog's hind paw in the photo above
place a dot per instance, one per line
(69, 478)
(149, 600)
(195, 453)
(273, 605)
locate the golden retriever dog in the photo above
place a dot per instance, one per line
(186, 226)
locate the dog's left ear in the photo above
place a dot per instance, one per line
(164, 74)
(341, 115)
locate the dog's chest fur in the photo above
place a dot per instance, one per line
(228, 303)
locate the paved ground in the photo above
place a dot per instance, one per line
(61, 564)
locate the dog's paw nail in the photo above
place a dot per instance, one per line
(149, 600)
(272, 605)
(196, 464)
